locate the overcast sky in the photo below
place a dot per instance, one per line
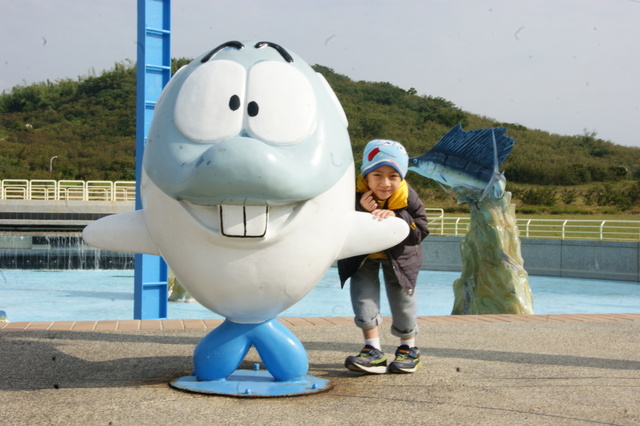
(563, 66)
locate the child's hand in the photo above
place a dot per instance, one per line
(381, 214)
(368, 202)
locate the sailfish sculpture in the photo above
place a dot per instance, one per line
(467, 160)
(493, 279)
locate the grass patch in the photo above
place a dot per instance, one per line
(575, 207)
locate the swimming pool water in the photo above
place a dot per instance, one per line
(79, 295)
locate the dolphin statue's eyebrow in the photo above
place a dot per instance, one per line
(279, 48)
(234, 44)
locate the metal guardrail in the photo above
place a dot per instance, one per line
(579, 229)
(439, 224)
(558, 229)
(67, 190)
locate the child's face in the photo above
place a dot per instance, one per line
(383, 181)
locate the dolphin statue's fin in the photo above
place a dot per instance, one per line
(369, 235)
(125, 232)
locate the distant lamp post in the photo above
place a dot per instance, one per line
(51, 163)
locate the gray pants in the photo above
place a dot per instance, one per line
(365, 299)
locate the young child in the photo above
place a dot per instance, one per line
(382, 190)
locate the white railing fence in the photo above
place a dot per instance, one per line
(67, 190)
(558, 229)
(439, 224)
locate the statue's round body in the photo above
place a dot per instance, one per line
(248, 192)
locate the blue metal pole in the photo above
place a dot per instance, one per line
(153, 72)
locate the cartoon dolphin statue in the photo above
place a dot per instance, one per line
(248, 193)
(469, 160)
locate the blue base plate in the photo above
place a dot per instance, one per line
(252, 383)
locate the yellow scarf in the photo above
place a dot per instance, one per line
(399, 199)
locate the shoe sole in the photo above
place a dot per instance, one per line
(400, 370)
(378, 369)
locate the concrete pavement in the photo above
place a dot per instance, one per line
(486, 370)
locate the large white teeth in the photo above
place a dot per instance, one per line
(244, 221)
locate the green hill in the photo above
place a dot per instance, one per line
(89, 124)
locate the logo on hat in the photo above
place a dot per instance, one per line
(373, 153)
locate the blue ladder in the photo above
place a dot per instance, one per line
(153, 73)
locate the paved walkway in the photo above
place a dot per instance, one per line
(487, 370)
(190, 324)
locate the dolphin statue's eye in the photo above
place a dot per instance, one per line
(287, 103)
(207, 108)
(234, 102)
(253, 109)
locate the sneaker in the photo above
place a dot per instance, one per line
(369, 360)
(407, 360)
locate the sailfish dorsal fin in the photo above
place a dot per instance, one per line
(476, 146)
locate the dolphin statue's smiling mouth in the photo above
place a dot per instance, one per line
(242, 221)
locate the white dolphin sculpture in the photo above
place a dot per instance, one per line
(248, 193)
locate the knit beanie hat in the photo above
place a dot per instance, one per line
(380, 152)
